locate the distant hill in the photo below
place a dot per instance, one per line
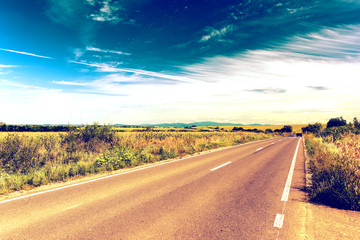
(198, 124)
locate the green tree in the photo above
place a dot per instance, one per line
(269, 130)
(312, 128)
(336, 122)
(287, 128)
(356, 123)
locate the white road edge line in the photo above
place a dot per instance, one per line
(279, 220)
(122, 173)
(259, 149)
(286, 192)
(220, 166)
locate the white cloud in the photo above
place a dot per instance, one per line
(104, 67)
(25, 53)
(7, 66)
(19, 85)
(78, 53)
(106, 13)
(94, 49)
(69, 83)
(330, 42)
(216, 33)
(2, 66)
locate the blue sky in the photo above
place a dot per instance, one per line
(156, 61)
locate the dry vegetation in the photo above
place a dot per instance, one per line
(335, 165)
(29, 160)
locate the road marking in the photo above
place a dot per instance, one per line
(279, 220)
(220, 166)
(259, 149)
(286, 192)
(74, 206)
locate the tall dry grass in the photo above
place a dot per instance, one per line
(29, 160)
(335, 166)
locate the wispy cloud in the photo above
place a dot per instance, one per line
(7, 66)
(213, 33)
(106, 13)
(103, 67)
(70, 83)
(318, 88)
(19, 85)
(25, 53)
(110, 84)
(335, 43)
(2, 66)
(94, 49)
(83, 15)
(267, 90)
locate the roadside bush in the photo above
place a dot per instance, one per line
(335, 170)
(39, 178)
(19, 153)
(166, 153)
(116, 158)
(309, 146)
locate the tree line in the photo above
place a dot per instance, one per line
(35, 128)
(285, 129)
(335, 127)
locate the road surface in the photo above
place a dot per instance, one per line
(235, 193)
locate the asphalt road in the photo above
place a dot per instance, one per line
(234, 193)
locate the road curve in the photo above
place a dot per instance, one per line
(234, 193)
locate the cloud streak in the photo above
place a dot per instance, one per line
(216, 33)
(334, 43)
(318, 88)
(267, 90)
(20, 85)
(25, 53)
(103, 67)
(7, 66)
(94, 49)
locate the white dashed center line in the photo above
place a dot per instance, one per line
(220, 166)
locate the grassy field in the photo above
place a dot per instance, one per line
(30, 160)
